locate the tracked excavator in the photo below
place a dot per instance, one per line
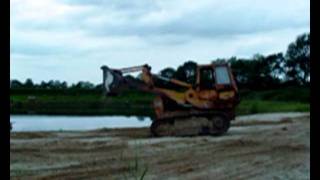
(204, 107)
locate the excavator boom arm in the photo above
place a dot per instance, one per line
(113, 79)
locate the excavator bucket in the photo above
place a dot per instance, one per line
(111, 80)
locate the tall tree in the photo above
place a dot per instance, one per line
(64, 85)
(276, 65)
(15, 84)
(298, 60)
(83, 85)
(167, 72)
(187, 72)
(252, 73)
(44, 85)
(28, 83)
(241, 70)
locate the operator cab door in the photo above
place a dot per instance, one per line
(224, 86)
(207, 81)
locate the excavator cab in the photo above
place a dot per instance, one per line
(215, 84)
(215, 77)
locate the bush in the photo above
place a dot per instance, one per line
(254, 108)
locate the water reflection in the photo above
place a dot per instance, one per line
(141, 118)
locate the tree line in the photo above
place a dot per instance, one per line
(259, 72)
(52, 84)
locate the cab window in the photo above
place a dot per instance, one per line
(222, 75)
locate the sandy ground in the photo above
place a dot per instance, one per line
(263, 146)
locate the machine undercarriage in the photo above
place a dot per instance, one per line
(177, 120)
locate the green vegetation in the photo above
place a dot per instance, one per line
(258, 106)
(140, 104)
(89, 103)
(291, 94)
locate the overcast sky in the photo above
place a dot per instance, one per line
(69, 40)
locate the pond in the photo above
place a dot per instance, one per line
(56, 123)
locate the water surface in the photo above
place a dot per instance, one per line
(56, 123)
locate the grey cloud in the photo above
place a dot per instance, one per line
(116, 4)
(31, 48)
(21, 46)
(202, 23)
(127, 7)
(206, 22)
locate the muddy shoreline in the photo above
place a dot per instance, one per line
(262, 146)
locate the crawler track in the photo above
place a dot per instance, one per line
(190, 126)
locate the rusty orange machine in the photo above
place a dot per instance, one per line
(205, 107)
